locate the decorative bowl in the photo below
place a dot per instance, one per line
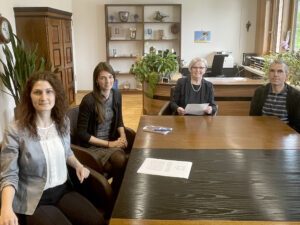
(123, 15)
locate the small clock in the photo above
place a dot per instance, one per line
(4, 30)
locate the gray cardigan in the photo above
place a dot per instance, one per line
(23, 165)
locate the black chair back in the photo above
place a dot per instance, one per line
(73, 117)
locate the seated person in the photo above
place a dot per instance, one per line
(277, 98)
(33, 158)
(100, 124)
(194, 89)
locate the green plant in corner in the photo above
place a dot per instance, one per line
(152, 67)
(18, 66)
(292, 59)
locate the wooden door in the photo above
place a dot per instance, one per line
(60, 51)
(68, 59)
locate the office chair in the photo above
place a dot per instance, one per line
(217, 66)
(166, 108)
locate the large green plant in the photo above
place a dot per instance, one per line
(18, 65)
(292, 59)
(152, 67)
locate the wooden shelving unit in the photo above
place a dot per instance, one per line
(127, 41)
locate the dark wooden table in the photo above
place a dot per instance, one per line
(230, 185)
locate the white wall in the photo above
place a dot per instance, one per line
(226, 19)
(6, 102)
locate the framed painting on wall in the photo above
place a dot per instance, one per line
(202, 36)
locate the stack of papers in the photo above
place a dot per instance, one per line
(196, 109)
(168, 168)
(157, 129)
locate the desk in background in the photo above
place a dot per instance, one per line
(232, 94)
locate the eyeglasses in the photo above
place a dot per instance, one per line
(277, 71)
(201, 68)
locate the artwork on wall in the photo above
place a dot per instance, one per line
(202, 36)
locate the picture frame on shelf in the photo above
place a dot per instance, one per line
(117, 33)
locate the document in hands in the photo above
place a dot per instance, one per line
(168, 168)
(196, 109)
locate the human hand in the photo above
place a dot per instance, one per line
(123, 139)
(82, 173)
(8, 217)
(120, 143)
(180, 111)
(208, 110)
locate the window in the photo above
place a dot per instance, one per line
(297, 27)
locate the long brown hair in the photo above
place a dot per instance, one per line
(102, 66)
(26, 114)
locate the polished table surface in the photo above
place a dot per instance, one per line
(246, 170)
(218, 132)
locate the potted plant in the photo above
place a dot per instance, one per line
(154, 66)
(18, 64)
(293, 61)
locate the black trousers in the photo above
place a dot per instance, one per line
(63, 206)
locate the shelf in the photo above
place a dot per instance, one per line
(146, 32)
(122, 57)
(125, 40)
(148, 22)
(161, 39)
(140, 22)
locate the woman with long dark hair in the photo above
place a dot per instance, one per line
(33, 162)
(100, 124)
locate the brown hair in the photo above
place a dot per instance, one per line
(102, 66)
(26, 114)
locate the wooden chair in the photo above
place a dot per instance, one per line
(85, 155)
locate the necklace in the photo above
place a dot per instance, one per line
(44, 132)
(196, 90)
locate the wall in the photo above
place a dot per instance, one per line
(6, 102)
(226, 19)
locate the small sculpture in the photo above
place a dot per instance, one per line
(159, 16)
(248, 25)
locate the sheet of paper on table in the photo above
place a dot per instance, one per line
(196, 109)
(168, 168)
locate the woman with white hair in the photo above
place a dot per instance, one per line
(194, 90)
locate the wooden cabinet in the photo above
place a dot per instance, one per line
(131, 29)
(51, 30)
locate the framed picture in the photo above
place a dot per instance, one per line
(117, 33)
(202, 36)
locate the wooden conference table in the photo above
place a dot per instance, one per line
(246, 170)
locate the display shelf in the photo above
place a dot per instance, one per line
(131, 29)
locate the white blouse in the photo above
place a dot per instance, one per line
(55, 156)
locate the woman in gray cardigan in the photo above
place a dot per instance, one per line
(33, 158)
(100, 124)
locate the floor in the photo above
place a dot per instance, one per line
(132, 107)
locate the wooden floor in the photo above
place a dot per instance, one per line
(132, 107)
